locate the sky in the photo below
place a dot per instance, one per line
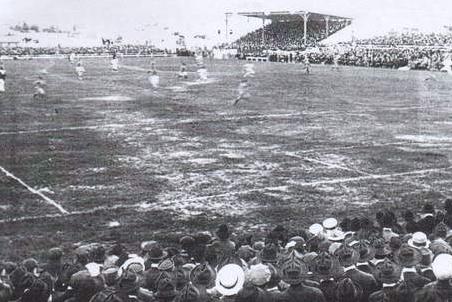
(157, 20)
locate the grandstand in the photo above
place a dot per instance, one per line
(290, 31)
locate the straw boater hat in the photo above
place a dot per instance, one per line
(259, 274)
(316, 229)
(135, 264)
(388, 272)
(419, 240)
(442, 267)
(230, 280)
(408, 256)
(329, 223)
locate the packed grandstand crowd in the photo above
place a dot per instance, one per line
(287, 36)
(126, 49)
(358, 259)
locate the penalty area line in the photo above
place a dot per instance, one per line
(36, 192)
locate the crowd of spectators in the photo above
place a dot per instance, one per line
(127, 49)
(287, 36)
(385, 258)
(410, 39)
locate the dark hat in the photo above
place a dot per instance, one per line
(380, 248)
(408, 215)
(189, 294)
(203, 237)
(388, 271)
(166, 288)
(55, 254)
(203, 274)
(30, 264)
(269, 253)
(346, 255)
(293, 269)
(223, 231)
(347, 290)
(324, 265)
(428, 208)
(98, 253)
(448, 205)
(408, 256)
(156, 253)
(355, 224)
(187, 241)
(366, 252)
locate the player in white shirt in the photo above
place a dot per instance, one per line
(248, 70)
(114, 63)
(154, 79)
(202, 72)
(2, 78)
(183, 72)
(336, 58)
(80, 71)
(307, 65)
(72, 58)
(242, 91)
(39, 85)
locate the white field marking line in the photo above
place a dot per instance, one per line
(331, 165)
(75, 128)
(376, 176)
(94, 127)
(155, 205)
(46, 199)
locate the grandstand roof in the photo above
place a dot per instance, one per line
(287, 16)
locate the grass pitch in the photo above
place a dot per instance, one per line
(182, 159)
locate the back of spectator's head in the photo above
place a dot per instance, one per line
(348, 291)
(55, 254)
(428, 208)
(408, 215)
(448, 205)
(223, 232)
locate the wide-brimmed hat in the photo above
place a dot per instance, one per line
(316, 229)
(408, 256)
(388, 271)
(380, 248)
(365, 251)
(203, 274)
(419, 240)
(135, 264)
(230, 280)
(336, 235)
(293, 269)
(156, 253)
(325, 265)
(346, 255)
(329, 223)
(259, 274)
(442, 266)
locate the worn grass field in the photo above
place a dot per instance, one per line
(184, 159)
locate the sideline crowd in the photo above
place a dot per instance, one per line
(358, 259)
